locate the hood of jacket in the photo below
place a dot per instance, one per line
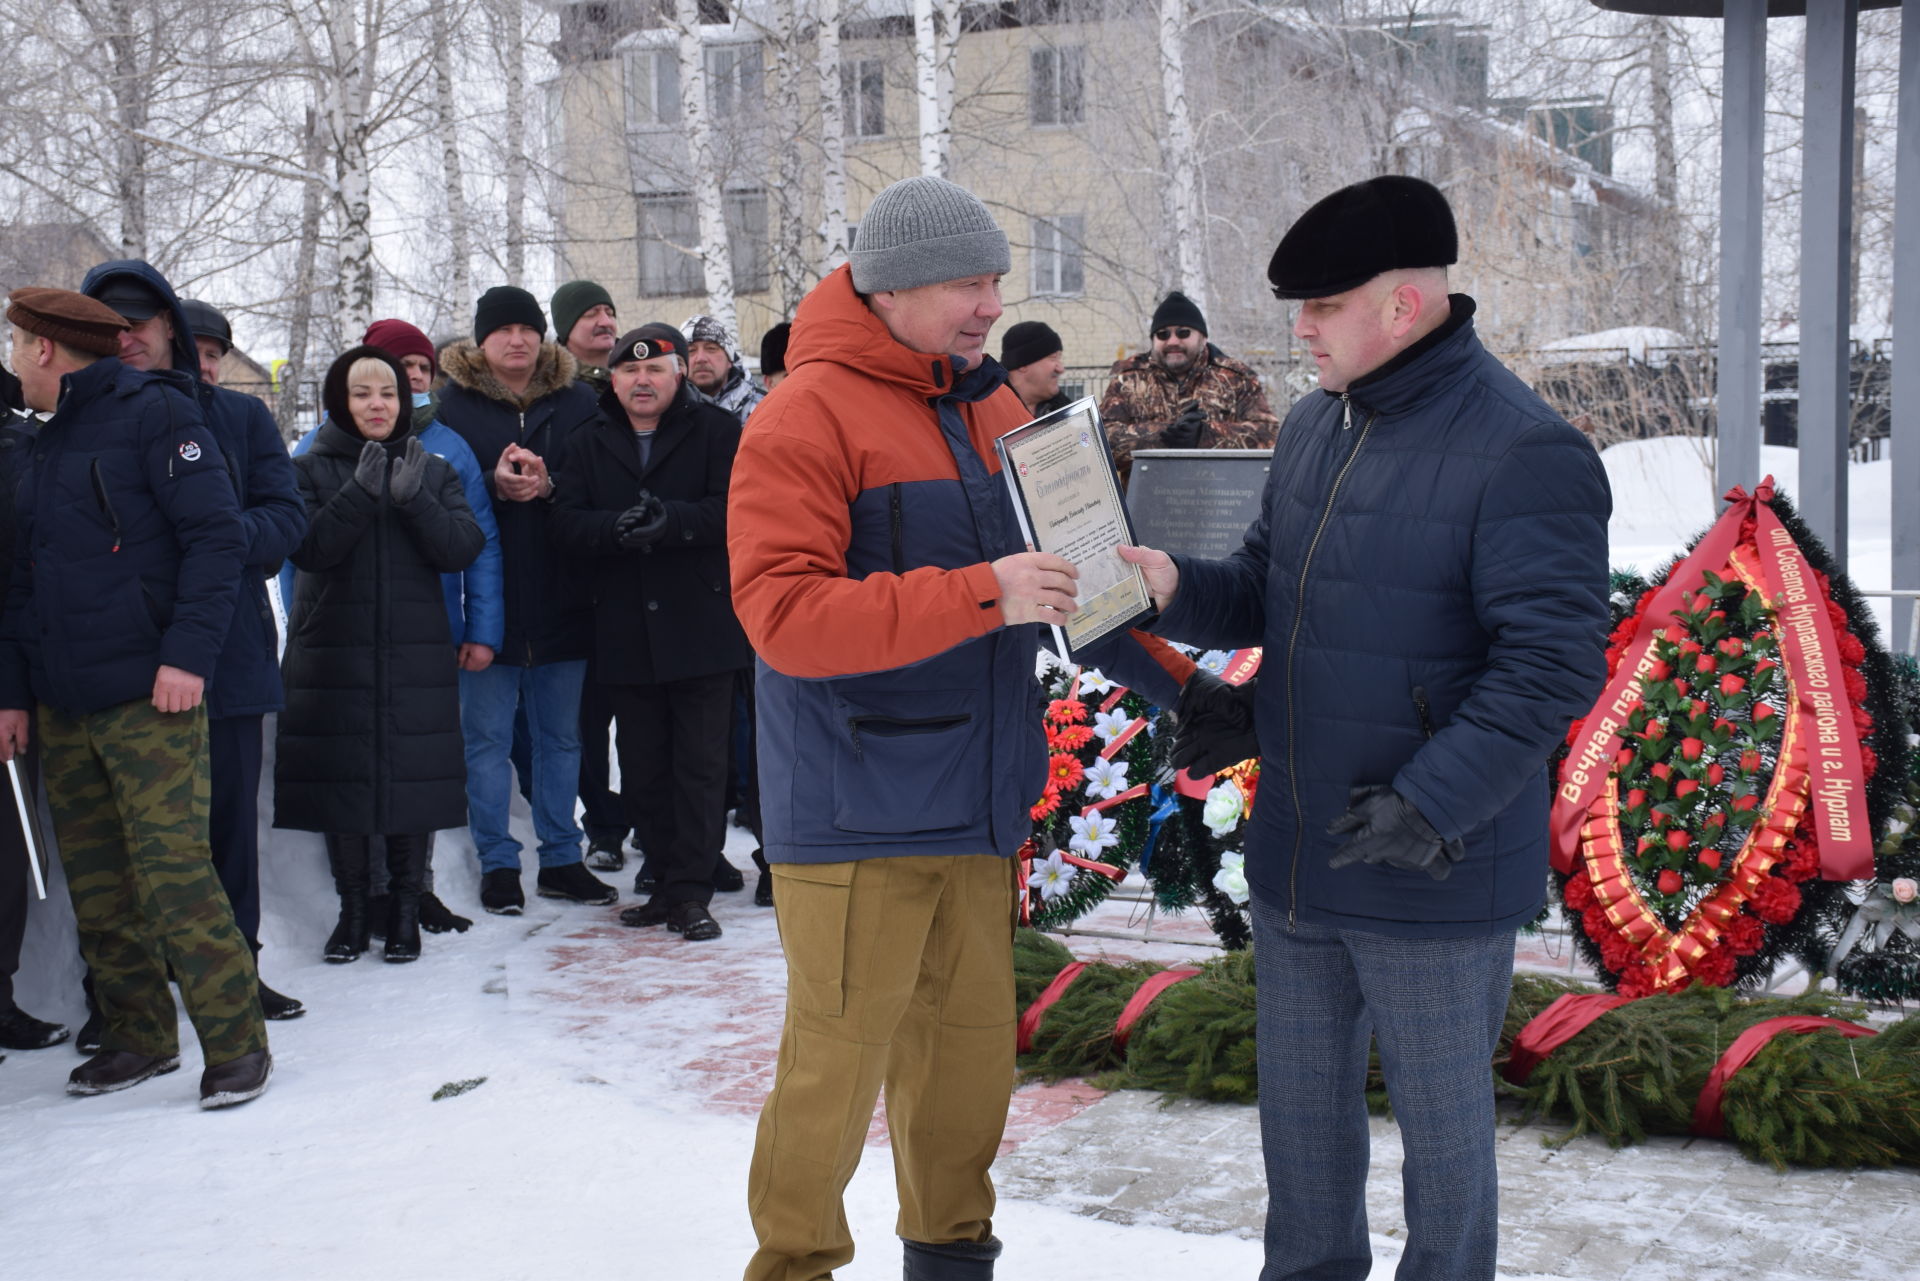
(466, 365)
(333, 394)
(186, 357)
(834, 324)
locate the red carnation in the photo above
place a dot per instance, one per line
(1709, 858)
(1615, 952)
(1690, 748)
(1677, 841)
(1636, 797)
(1662, 770)
(1686, 787)
(1869, 762)
(1669, 881)
(1856, 685)
(1745, 935)
(1635, 981)
(1715, 969)
(1863, 721)
(1803, 861)
(1716, 773)
(1579, 894)
(1776, 901)
(1852, 652)
(1706, 665)
(1837, 615)
(1749, 761)
(1731, 685)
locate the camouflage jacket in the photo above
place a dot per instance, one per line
(1142, 398)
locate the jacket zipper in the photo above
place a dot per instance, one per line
(1421, 706)
(897, 523)
(520, 438)
(106, 503)
(910, 724)
(1293, 645)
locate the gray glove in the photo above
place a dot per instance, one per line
(1383, 826)
(408, 471)
(642, 524)
(371, 470)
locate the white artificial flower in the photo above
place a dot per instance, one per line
(1094, 681)
(1106, 778)
(1110, 725)
(1093, 833)
(1231, 879)
(1214, 660)
(1053, 876)
(1223, 809)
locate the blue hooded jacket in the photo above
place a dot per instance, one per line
(1428, 575)
(246, 679)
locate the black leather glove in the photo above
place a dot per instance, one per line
(1382, 826)
(1187, 431)
(642, 524)
(371, 470)
(408, 471)
(1213, 724)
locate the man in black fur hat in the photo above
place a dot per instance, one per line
(1183, 392)
(1429, 576)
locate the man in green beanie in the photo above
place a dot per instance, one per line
(583, 320)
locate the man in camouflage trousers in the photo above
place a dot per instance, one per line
(130, 541)
(1183, 393)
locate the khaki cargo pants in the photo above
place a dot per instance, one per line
(129, 791)
(899, 970)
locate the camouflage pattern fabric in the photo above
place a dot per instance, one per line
(1142, 398)
(129, 791)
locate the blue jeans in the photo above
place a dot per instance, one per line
(551, 692)
(1434, 1006)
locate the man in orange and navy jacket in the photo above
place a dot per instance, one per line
(880, 573)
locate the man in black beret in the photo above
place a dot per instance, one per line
(1030, 353)
(1183, 392)
(1429, 577)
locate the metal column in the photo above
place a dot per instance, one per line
(1742, 153)
(1906, 329)
(1826, 238)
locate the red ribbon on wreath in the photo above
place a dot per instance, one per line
(1553, 1027)
(1030, 1020)
(1023, 872)
(1137, 1003)
(1707, 1117)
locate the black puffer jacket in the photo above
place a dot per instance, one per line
(370, 739)
(549, 614)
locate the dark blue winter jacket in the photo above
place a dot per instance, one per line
(247, 679)
(1428, 575)
(129, 542)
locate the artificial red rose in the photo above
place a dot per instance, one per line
(1732, 647)
(1745, 935)
(1746, 804)
(1749, 761)
(1686, 787)
(1718, 616)
(1662, 770)
(1716, 823)
(1856, 685)
(1659, 633)
(1659, 818)
(1764, 665)
(1715, 969)
(1690, 646)
(1658, 670)
(1776, 901)
(1682, 688)
(1698, 707)
(1677, 840)
(1669, 881)
(1690, 748)
(1636, 797)
(1731, 685)
(1579, 895)
(1655, 731)
(1709, 858)
(1702, 601)
(1706, 665)
(1762, 712)
(1852, 652)
(1716, 773)
(1624, 757)
(1721, 725)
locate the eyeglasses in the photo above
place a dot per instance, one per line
(1173, 331)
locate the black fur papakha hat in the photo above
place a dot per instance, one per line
(1350, 237)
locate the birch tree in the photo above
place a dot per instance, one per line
(936, 37)
(447, 126)
(833, 138)
(789, 255)
(709, 198)
(1181, 157)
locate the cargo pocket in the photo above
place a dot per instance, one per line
(812, 901)
(909, 768)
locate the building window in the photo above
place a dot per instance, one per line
(669, 240)
(863, 96)
(1059, 259)
(653, 89)
(733, 80)
(1055, 76)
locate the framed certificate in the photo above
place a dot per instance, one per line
(1068, 497)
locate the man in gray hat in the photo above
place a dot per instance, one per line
(1401, 835)
(897, 641)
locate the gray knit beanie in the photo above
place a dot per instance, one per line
(921, 231)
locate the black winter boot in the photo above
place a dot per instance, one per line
(953, 1261)
(406, 866)
(347, 855)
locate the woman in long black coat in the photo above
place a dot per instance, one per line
(369, 744)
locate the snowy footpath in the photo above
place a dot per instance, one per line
(619, 1073)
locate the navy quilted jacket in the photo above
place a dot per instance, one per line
(1428, 575)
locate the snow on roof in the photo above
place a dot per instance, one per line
(1607, 344)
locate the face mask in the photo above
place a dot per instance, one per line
(420, 398)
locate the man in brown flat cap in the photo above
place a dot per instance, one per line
(114, 613)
